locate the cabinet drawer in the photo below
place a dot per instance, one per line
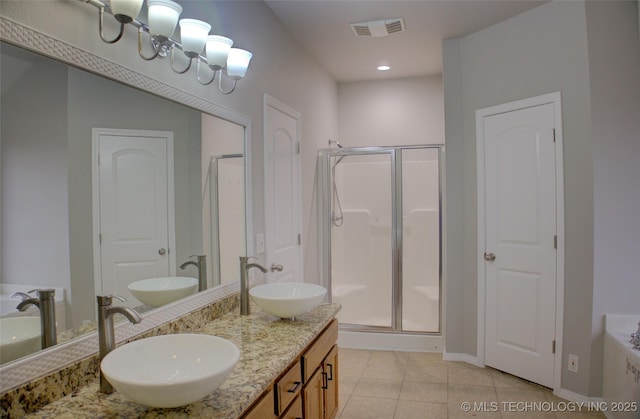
(316, 353)
(288, 387)
(263, 409)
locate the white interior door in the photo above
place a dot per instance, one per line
(283, 212)
(134, 183)
(520, 235)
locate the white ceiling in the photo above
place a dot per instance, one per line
(322, 26)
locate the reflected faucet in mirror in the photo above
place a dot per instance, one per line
(46, 304)
(106, 334)
(201, 265)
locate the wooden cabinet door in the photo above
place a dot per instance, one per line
(295, 410)
(313, 400)
(313, 357)
(330, 370)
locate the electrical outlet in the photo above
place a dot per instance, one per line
(573, 363)
(259, 243)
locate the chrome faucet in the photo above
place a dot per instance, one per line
(106, 334)
(244, 281)
(635, 339)
(201, 265)
(46, 304)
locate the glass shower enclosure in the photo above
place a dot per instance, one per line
(380, 221)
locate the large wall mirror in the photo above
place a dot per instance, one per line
(55, 121)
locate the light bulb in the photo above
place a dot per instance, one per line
(238, 63)
(193, 35)
(218, 50)
(163, 17)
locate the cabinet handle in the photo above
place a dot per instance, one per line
(330, 378)
(325, 382)
(295, 388)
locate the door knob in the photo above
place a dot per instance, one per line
(162, 252)
(275, 267)
(490, 257)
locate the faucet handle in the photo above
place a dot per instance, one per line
(22, 295)
(44, 294)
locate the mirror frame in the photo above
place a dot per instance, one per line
(47, 361)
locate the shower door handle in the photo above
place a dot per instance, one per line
(489, 257)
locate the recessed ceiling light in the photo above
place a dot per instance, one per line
(384, 67)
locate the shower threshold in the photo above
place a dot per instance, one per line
(390, 341)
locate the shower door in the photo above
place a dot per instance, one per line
(381, 224)
(361, 238)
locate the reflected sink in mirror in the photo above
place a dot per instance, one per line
(288, 299)
(19, 336)
(156, 292)
(170, 370)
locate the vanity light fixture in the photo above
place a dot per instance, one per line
(163, 18)
(384, 67)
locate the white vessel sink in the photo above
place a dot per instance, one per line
(288, 299)
(170, 370)
(155, 292)
(19, 336)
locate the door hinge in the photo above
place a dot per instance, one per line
(98, 159)
(554, 134)
(99, 238)
(555, 242)
(553, 346)
(298, 147)
(299, 239)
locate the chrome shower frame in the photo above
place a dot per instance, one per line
(215, 214)
(324, 199)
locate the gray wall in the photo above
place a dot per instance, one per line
(614, 71)
(526, 56)
(391, 112)
(35, 222)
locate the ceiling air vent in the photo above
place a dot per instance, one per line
(378, 28)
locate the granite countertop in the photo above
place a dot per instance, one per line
(267, 346)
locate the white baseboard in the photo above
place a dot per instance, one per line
(575, 397)
(589, 403)
(390, 341)
(469, 359)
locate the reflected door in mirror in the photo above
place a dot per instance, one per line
(133, 168)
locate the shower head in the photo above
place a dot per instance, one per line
(335, 142)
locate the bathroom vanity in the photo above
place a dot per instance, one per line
(308, 388)
(282, 362)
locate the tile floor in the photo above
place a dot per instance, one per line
(408, 385)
